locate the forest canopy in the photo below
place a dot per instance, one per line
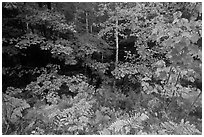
(102, 68)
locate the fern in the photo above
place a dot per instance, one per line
(75, 119)
(13, 108)
(127, 124)
(183, 128)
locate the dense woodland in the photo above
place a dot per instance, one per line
(101, 68)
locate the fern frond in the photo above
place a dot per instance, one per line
(14, 107)
(124, 125)
(183, 128)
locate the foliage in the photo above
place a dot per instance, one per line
(124, 69)
(28, 40)
(50, 19)
(76, 119)
(183, 128)
(126, 125)
(97, 66)
(81, 89)
(14, 108)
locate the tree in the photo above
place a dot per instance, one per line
(116, 13)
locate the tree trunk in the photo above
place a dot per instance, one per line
(116, 40)
(87, 23)
(102, 57)
(75, 16)
(91, 29)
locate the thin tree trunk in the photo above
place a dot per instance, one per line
(87, 23)
(117, 49)
(75, 19)
(116, 40)
(91, 29)
(102, 57)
